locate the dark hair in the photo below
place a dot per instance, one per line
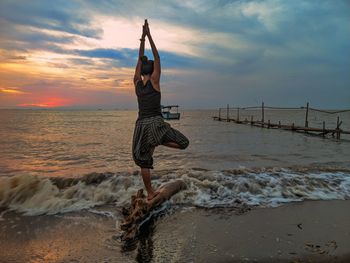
(147, 66)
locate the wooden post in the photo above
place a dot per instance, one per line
(279, 124)
(219, 114)
(268, 124)
(237, 114)
(251, 120)
(306, 115)
(324, 129)
(338, 130)
(139, 210)
(262, 114)
(293, 126)
(227, 114)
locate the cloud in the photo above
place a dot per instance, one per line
(211, 50)
(12, 91)
(6, 56)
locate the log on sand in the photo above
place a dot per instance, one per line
(140, 208)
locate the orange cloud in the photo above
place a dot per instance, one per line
(124, 83)
(12, 91)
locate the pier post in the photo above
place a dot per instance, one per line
(219, 114)
(279, 124)
(262, 114)
(324, 129)
(237, 114)
(338, 130)
(251, 120)
(268, 124)
(227, 113)
(306, 115)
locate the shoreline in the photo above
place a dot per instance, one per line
(309, 231)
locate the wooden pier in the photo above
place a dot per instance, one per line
(262, 123)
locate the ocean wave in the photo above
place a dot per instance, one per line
(269, 187)
(33, 195)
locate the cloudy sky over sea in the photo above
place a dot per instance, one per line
(81, 54)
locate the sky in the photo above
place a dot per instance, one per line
(82, 53)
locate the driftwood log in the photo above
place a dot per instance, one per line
(140, 208)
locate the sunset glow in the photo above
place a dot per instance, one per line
(49, 103)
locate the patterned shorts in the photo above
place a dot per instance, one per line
(149, 133)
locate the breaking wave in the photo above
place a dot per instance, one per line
(269, 187)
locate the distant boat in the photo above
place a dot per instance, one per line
(168, 114)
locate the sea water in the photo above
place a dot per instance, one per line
(58, 161)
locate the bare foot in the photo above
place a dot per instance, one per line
(152, 195)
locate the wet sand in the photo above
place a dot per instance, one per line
(312, 231)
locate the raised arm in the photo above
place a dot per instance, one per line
(137, 75)
(156, 67)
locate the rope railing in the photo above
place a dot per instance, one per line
(329, 112)
(289, 108)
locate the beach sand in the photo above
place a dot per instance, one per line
(311, 231)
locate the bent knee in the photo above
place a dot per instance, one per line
(184, 144)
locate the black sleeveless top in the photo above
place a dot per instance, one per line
(148, 99)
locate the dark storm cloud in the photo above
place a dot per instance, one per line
(107, 53)
(60, 15)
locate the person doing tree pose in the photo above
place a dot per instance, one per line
(150, 128)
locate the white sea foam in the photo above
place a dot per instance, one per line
(33, 195)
